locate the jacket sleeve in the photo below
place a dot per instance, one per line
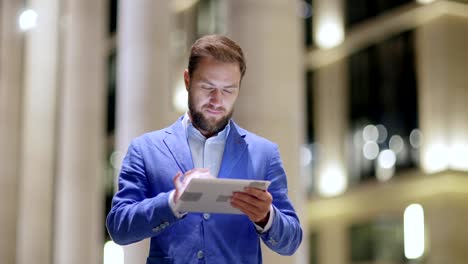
(285, 234)
(135, 215)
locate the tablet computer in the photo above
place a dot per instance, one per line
(213, 195)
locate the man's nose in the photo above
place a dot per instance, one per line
(216, 97)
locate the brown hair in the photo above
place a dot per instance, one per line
(218, 47)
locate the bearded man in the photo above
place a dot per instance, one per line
(205, 141)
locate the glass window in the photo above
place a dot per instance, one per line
(359, 10)
(377, 241)
(309, 82)
(112, 16)
(383, 110)
(313, 248)
(309, 150)
(110, 129)
(306, 14)
(210, 17)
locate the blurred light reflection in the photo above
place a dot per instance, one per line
(415, 138)
(180, 98)
(304, 9)
(28, 20)
(329, 35)
(458, 156)
(113, 253)
(382, 130)
(332, 182)
(425, 2)
(306, 155)
(414, 231)
(387, 159)
(370, 133)
(370, 150)
(396, 143)
(436, 158)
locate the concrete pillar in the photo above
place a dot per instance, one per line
(271, 99)
(330, 84)
(446, 234)
(443, 88)
(79, 203)
(11, 44)
(36, 188)
(332, 243)
(143, 80)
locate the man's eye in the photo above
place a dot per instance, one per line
(228, 91)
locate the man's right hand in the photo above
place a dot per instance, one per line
(181, 182)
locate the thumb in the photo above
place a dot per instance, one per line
(177, 185)
(176, 179)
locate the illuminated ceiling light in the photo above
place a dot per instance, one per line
(113, 253)
(180, 98)
(387, 159)
(425, 2)
(396, 143)
(436, 158)
(28, 20)
(370, 133)
(332, 182)
(370, 150)
(414, 231)
(415, 138)
(329, 35)
(458, 157)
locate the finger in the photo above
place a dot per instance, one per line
(177, 185)
(253, 213)
(196, 173)
(250, 205)
(247, 198)
(259, 194)
(261, 206)
(176, 179)
(198, 170)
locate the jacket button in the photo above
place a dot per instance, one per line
(206, 216)
(200, 254)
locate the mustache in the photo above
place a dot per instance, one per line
(208, 106)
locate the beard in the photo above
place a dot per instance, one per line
(207, 125)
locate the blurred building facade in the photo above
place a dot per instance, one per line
(366, 100)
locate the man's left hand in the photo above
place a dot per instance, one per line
(255, 203)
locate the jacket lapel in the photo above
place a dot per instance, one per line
(176, 142)
(233, 151)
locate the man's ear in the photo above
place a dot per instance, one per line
(186, 79)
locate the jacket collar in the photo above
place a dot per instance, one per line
(176, 142)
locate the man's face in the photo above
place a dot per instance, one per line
(212, 90)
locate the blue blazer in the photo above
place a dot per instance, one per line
(140, 208)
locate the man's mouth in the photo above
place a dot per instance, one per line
(214, 111)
